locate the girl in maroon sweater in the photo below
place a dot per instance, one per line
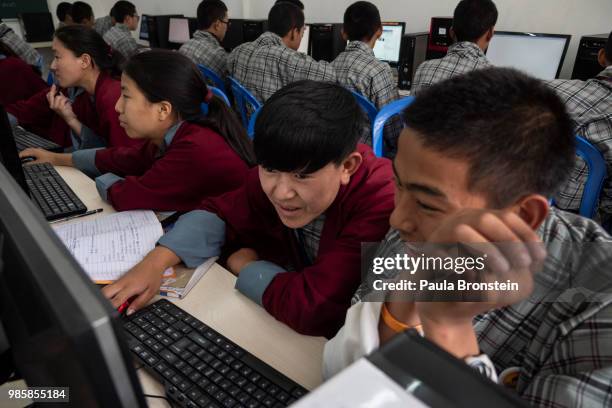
(187, 155)
(78, 112)
(19, 80)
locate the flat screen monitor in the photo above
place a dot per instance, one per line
(389, 44)
(144, 28)
(540, 55)
(178, 30)
(305, 40)
(38, 27)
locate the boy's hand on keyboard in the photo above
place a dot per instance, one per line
(40, 155)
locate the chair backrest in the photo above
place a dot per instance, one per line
(243, 99)
(211, 75)
(367, 106)
(50, 78)
(218, 93)
(386, 113)
(251, 128)
(597, 174)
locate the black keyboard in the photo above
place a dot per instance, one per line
(201, 368)
(51, 192)
(25, 139)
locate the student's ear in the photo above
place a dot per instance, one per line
(378, 33)
(164, 110)
(344, 35)
(490, 33)
(601, 58)
(349, 166)
(533, 209)
(452, 35)
(85, 61)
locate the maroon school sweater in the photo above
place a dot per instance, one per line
(312, 299)
(18, 81)
(197, 164)
(35, 115)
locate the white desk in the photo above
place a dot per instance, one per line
(215, 302)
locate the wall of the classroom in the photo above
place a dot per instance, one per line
(575, 17)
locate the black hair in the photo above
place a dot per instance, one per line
(121, 10)
(84, 40)
(296, 2)
(512, 129)
(63, 9)
(361, 21)
(473, 18)
(608, 48)
(210, 11)
(284, 17)
(81, 11)
(306, 125)
(164, 75)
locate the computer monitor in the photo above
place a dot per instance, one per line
(304, 45)
(389, 44)
(144, 27)
(540, 55)
(37, 27)
(178, 30)
(60, 329)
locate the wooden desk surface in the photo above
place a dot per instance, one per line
(215, 302)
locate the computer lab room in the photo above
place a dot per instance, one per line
(306, 203)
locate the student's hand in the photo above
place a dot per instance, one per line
(240, 259)
(513, 251)
(61, 105)
(142, 281)
(40, 156)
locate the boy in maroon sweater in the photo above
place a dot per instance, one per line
(293, 232)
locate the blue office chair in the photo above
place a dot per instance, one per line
(367, 106)
(386, 113)
(597, 174)
(50, 78)
(212, 76)
(219, 94)
(244, 100)
(251, 128)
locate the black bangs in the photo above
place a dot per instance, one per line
(307, 125)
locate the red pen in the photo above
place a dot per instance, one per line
(121, 309)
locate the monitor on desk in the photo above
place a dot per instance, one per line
(178, 30)
(37, 27)
(144, 28)
(60, 329)
(540, 55)
(389, 44)
(304, 45)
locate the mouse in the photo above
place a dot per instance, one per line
(27, 159)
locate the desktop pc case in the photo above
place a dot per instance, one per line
(439, 37)
(586, 65)
(412, 54)
(326, 41)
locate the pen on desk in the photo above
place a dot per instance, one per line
(121, 309)
(78, 216)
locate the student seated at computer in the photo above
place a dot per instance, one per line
(358, 69)
(82, 14)
(187, 156)
(589, 104)
(477, 161)
(472, 30)
(21, 48)
(78, 112)
(205, 46)
(293, 232)
(19, 80)
(269, 63)
(63, 13)
(119, 37)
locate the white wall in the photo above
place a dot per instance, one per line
(575, 17)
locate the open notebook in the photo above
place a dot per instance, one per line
(107, 247)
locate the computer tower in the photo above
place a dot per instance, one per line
(234, 36)
(252, 29)
(158, 30)
(37, 27)
(412, 54)
(326, 41)
(439, 37)
(586, 65)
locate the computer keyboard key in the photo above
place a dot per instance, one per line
(268, 402)
(298, 393)
(168, 356)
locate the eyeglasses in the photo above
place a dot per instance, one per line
(228, 22)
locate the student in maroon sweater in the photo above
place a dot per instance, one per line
(187, 155)
(19, 80)
(293, 232)
(80, 113)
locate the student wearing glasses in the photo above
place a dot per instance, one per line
(119, 37)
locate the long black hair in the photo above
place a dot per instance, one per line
(164, 75)
(83, 40)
